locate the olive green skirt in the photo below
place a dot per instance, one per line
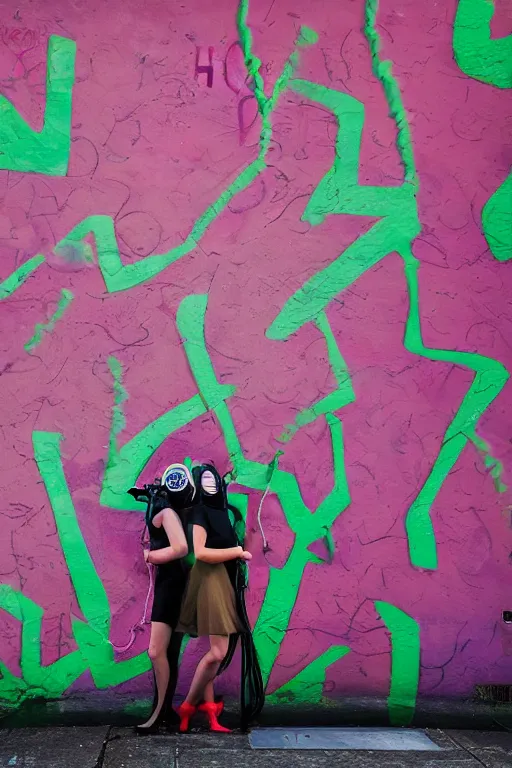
(209, 606)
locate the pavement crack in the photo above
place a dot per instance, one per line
(101, 756)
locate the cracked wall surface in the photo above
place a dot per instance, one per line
(272, 236)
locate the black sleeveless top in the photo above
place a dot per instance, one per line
(158, 538)
(217, 524)
(170, 579)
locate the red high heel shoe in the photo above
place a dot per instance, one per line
(185, 712)
(212, 711)
(218, 704)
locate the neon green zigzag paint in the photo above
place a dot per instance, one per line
(50, 681)
(307, 686)
(475, 52)
(383, 72)
(66, 297)
(284, 583)
(253, 65)
(95, 651)
(339, 192)
(121, 277)
(495, 467)
(91, 635)
(497, 220)
(405, 662)
(342, 395)
(120, 395)
(250, 468)
(125, 468)
(489, 373)
(490, 61)
(18, 277)
(46, 151)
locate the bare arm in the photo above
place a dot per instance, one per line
(209, 555)
(176, 535)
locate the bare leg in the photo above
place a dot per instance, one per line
(208, 694)
(207, 669)
(209, 698)
(158, 643)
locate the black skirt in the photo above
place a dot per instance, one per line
(170, 583)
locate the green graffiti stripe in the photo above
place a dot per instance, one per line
(476, 54)
(13, 690)
(495, 466)
(307, 527)
(190, 320)
(253, 66)
(18, 277)
(89, 589)
(99, 653)
(92, 635)
(339, 192)
(45, 151)
(307, 686)
(125, 466)
(497, 220)
(284, 584)
(338, 366)
(50, 681)
(308, 302)
(490, 378)
(310, 528)
(405, 662)
(121, 277)
(66, 297)
(241, 501)
(120, 395)
(383, 72)
(334, 401)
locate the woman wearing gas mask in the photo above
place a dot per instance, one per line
(168, 546)
(214, 603)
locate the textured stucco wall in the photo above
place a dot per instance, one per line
(283, 252)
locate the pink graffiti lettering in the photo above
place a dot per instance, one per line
(205, 69)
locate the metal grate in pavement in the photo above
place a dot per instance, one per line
(378, 739)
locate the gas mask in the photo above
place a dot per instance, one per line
(210, 486)
(180, 486)
(174, 489)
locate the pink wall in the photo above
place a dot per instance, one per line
(153, 147)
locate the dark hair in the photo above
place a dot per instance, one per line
(218, 500)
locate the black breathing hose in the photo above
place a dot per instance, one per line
(252, 691)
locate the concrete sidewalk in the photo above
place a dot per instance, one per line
(111, 747)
